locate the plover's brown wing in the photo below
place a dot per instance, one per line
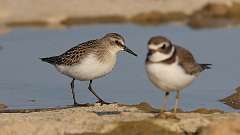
(188, 62)
(73, 55)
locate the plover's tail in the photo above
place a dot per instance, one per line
(205, 66)
(51, 60)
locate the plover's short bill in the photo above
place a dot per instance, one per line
(171, 67)
(90, 60)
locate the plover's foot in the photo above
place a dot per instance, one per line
(178, 110)
(167, 115)
(102, 102)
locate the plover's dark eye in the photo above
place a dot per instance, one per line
(163, 46)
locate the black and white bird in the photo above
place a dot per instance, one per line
(90, 60)
(171, 67)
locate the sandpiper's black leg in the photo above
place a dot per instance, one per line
(95, 94)
(73, 93)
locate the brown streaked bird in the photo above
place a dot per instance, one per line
(90, 60)
(171, 67)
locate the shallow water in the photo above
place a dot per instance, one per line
(26, 82)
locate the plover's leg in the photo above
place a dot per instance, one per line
(177, 101)
(95, 94)
(73, 93)
(165, 100)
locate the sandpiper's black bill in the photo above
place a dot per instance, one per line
(129, 51)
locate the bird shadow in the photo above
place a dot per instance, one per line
(22, 110)
(107, 113)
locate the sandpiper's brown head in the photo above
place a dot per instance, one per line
(116, 43)
(159, 49)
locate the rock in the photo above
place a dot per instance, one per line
(232, 100)
(225, 127)
(145, 107)
(4, 30)
(206, 111)
(238, 89)
(156, 17)
(94, 19)
(106, 120)
(3, 106)
(214, 10)
(27, 23)
(144, 127)
(216, 15)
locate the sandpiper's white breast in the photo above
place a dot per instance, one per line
(168, 77)
(90, 68)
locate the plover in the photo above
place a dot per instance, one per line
(171, 67)
(90, 60)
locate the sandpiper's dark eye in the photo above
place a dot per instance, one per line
(117, 42)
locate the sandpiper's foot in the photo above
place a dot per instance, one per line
(167, 115)
(102, 102)
(81, 105)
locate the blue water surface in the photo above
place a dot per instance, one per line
(23, 77)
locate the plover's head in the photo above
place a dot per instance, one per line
(116, 43)
(159, 49)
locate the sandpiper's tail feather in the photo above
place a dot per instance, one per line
(205, 66)
(51, 60)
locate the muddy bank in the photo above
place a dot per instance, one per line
(113, 119)
(43, 13)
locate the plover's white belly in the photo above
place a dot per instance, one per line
(168, 77)
(90, 68)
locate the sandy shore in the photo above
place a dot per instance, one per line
(60, 12)
(114, 119)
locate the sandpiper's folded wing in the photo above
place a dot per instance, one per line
(73, 55)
